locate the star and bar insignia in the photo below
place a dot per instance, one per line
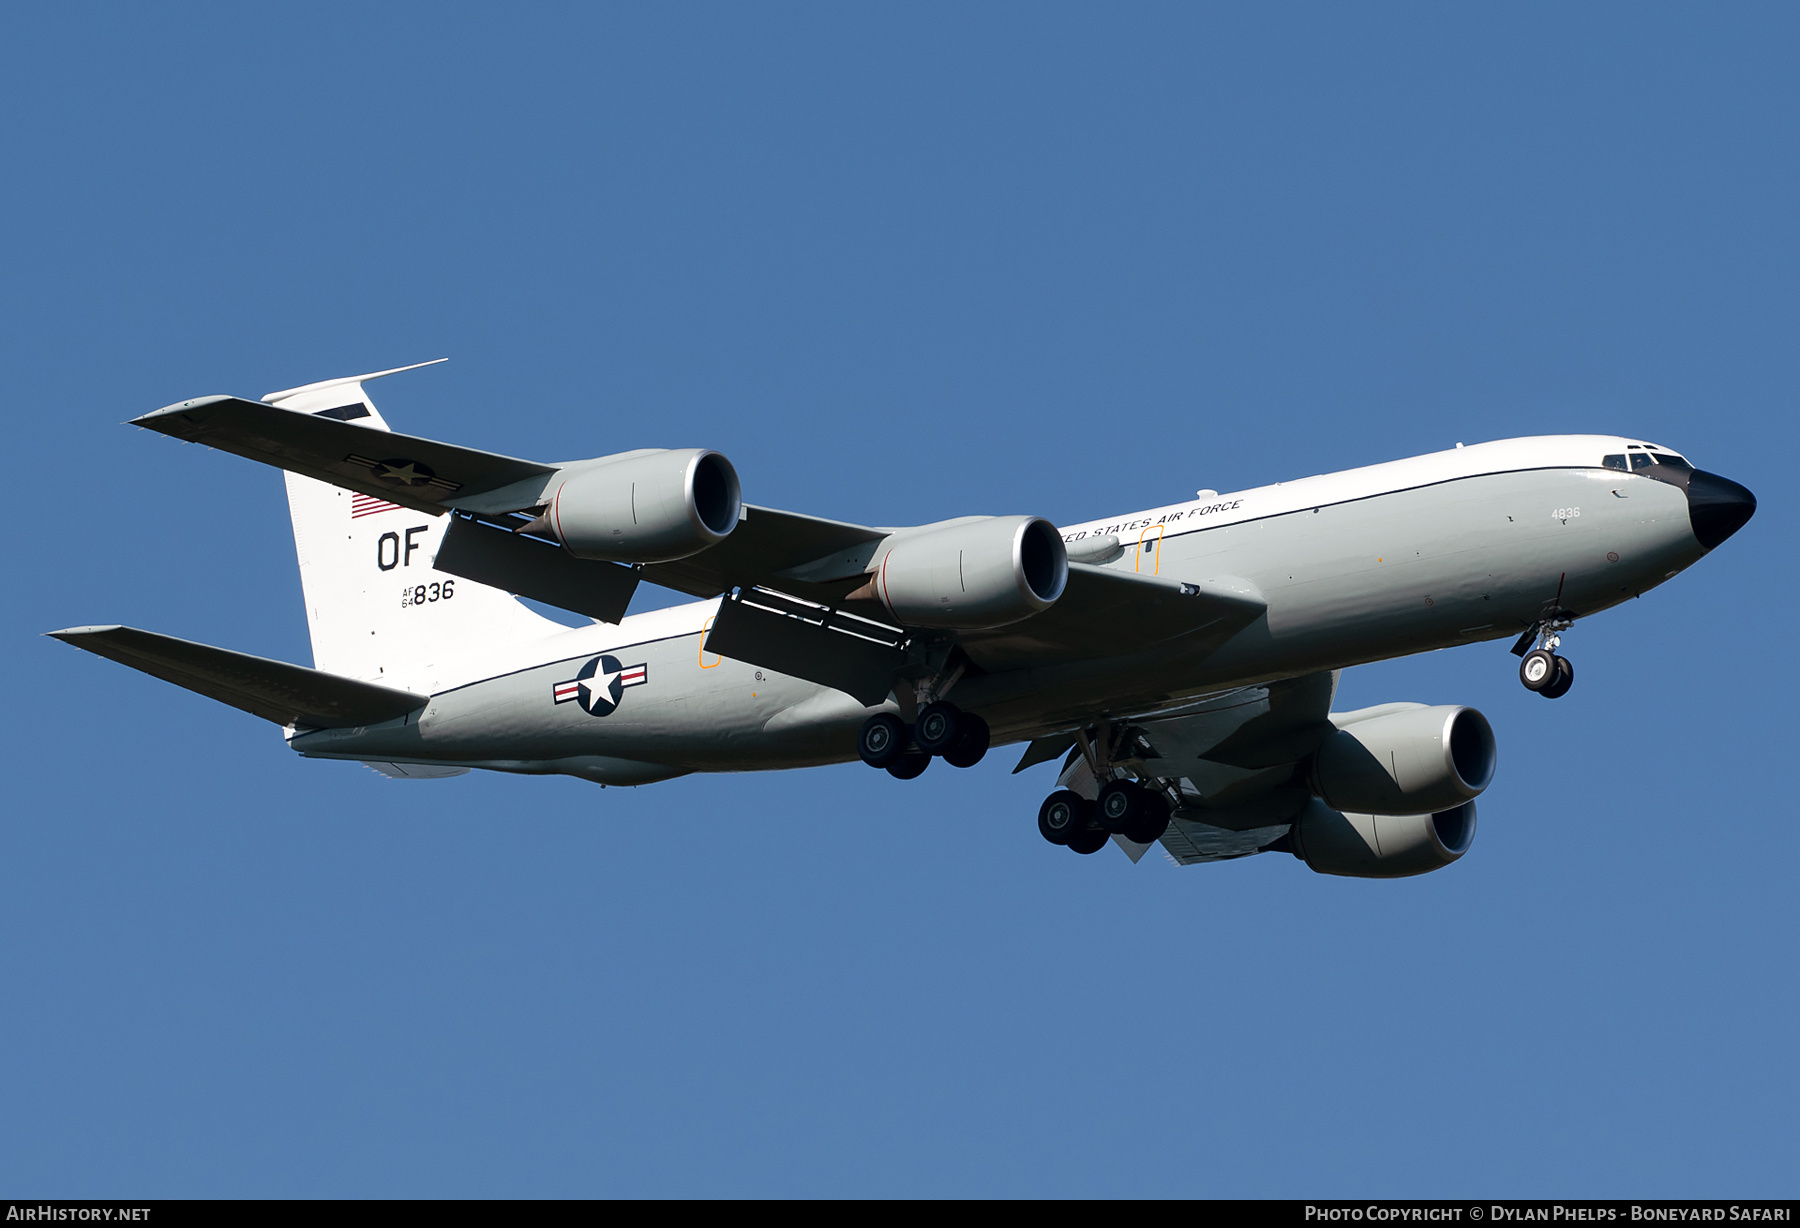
(600, 684)
(404, 473)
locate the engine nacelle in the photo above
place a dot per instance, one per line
(1411, 761)
(1381, 845)
(981, 573)
(647, 507)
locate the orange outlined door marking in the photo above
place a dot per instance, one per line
(1147, 551)
(716, 658)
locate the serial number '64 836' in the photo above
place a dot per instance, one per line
(424, 594)
(1565, 513)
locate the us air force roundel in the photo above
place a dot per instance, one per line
(599, 685)
(404, 472)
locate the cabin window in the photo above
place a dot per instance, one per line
(1616, 461)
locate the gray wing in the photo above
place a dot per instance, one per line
(797, 570)
(1105, 613)
(418, 473)
(763, 547)
(778, 550)
(1101, 613)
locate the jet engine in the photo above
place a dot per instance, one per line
(646, 507)
(973, 574)
(1380, 845)
(1404, 760)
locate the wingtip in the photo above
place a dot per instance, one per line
(149, 420)
(73, 633)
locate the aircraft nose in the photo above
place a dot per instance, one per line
(1717, 507)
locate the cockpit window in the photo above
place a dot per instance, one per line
(1616, 461)
(1672, 461)
(1641, 460)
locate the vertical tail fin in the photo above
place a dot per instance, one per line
(375, 607)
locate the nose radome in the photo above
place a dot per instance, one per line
(1717, 507)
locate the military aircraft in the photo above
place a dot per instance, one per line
(1180, 662)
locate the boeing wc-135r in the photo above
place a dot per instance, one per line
(1179, 663)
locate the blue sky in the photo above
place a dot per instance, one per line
(899, 264)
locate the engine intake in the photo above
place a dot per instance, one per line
(1411, 761)
(647, 507)
(1381, 845)
(972, 575)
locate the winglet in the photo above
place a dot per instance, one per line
(284, 394)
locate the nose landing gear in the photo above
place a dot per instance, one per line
(1542, 670)
(1546, 673)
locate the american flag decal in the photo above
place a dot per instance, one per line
(369, 505)
(600, 685)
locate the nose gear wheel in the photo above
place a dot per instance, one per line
(1538, 670)
(1541, 670)
(1565, 678)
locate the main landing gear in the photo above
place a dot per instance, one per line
(1542, 670)
(1123, 808)
(1067, 818)
(959, 738)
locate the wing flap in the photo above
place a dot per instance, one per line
(1253, 728)
(1192, 843)
(537, 569)
(790, 638)
(1043, 750)
(421, 474)
(274, 690)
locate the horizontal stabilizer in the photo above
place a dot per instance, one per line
(330, 391)
(792, 638)
(274, 690)
(418, 473)
(537, 569)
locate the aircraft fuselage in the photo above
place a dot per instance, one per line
(1430, 552)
